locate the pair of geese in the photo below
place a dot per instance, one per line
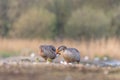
(49, 53)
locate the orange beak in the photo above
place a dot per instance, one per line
(57, 51)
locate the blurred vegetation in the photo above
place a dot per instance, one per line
(5, 54)
(51, 19)
(34, 23)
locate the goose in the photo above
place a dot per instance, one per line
(48, 52)
(70, 55)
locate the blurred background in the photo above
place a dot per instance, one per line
(91, 26)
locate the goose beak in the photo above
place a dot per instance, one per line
(57, 51)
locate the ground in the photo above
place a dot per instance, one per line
(56, 71)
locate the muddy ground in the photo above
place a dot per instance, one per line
(55, 71)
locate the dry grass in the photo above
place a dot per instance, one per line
(110, 47)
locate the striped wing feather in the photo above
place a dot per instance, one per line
(48, 51)
(71, 54)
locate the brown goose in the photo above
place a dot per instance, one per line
(70, 55)
(48, 52)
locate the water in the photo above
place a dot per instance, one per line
(102, 63)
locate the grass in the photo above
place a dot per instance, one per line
(5, 54)
(110, 47)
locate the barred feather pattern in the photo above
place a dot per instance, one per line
(71, 55)
(47, 51)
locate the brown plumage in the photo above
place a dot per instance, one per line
(48, 52)
(69, 54)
